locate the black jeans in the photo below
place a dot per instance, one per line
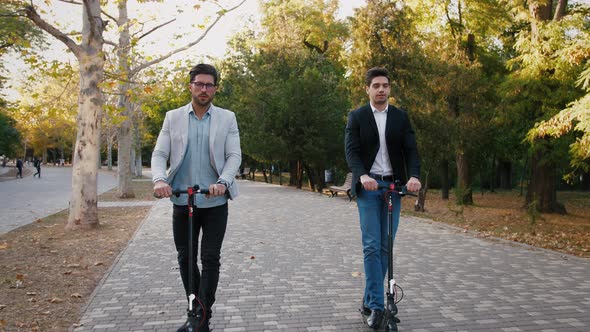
(213, 222)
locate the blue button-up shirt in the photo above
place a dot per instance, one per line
(196, 166)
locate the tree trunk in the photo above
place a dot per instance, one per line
(542, 191)
(523, 175)
(83, 201)
(505, 174)
(493, 175)
(124, 137)
(310, 177)
(464, 194)
(321, 180)
(444, 176)
(138, 165)
(540, 11)
(132, 164)
(137, 141)
(299, 177)
(560, 10)
(293, 171)
(110, 150)
(138, 157)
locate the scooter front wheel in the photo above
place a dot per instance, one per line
(391, 325)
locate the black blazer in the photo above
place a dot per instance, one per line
(362, 143)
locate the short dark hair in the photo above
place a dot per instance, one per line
(375, 72)
(206, 69)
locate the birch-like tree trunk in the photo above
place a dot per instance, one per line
(83, 202)
(124, 135)
(137, 145)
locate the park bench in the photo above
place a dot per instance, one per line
(345, 187)
(245, 172)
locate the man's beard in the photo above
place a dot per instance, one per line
(203, 102)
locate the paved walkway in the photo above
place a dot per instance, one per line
(25, 200)
(292, 261)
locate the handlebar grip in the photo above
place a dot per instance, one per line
(402, 192)
(204, 191)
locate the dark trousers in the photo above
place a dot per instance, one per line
(213, 222)
(38, 172)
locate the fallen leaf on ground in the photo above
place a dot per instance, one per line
(76, 295)
(56, 300)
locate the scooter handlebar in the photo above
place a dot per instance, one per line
(400, 190)
(204, 191)
(196, 190)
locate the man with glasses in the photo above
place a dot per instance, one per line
(202, 143)
(380, 148)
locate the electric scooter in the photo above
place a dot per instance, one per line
(390, 320)
(194, 320)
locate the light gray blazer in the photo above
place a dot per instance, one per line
(224, 145)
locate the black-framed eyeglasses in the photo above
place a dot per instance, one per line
(199, 85)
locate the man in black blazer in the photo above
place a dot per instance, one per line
(380, 148)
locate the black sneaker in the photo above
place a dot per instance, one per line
(205, 326)
(374, 320)
(192, 323)
(365, 310)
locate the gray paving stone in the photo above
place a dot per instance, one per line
(292, 261)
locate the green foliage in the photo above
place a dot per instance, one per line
(170, 92)
(436, 74)
(9, 136)
(290, 98)
(541, 93)
(46, 116)
(563, 53)
(17, 33)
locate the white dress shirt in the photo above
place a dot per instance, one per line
(382, 164)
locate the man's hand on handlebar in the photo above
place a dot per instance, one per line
(369, 183)
(217, 189)
(413, 185)
(162, 189)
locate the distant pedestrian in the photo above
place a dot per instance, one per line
(37, 164)
(19, 167)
